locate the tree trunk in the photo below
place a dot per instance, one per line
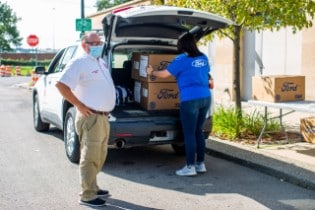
(236, 82)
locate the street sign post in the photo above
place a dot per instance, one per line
(83, 24)
(32, 40)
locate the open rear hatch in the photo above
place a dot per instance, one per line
(162, 23)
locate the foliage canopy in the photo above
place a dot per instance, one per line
(105, 4)
(9, 35)
(257, 14)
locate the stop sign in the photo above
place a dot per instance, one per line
(32, 40)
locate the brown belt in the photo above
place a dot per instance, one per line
(100, 112)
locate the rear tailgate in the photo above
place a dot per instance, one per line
(164, 23)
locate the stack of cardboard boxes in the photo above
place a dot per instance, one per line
(150, 92)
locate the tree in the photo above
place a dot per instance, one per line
(253, 15)
(9, 34)
(105, 4)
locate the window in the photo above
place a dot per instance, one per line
(67, 54)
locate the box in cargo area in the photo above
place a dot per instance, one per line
(307, 128)
(135, 66)
(278, 88)
(159, 96)
(158, 62)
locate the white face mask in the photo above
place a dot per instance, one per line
(96, 51)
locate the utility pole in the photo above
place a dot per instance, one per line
(82, 15)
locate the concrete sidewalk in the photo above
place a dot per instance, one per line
(293, 162)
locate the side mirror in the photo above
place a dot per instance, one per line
(40, 70)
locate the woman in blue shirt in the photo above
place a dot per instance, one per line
(191, 70)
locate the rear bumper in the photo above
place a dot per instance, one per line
(149, 133)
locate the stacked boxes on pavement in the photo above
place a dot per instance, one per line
(150, 92)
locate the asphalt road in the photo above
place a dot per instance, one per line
(35, 173)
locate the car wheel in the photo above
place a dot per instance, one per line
(71, 139)
(179, 149)
(39, 125)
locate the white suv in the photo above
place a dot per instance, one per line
(145, 29)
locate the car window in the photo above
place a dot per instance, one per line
(64, 59)
(119, 59)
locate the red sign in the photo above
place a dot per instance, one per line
(32, 40)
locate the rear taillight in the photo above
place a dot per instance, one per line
(121, 9)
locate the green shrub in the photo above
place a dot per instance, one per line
(20, 62)
(225, 124)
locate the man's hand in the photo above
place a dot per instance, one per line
(68, 94)
(84, 110)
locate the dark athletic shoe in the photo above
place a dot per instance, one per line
(95, 202)
(102, 193)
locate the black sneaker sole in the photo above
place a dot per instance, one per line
(90, 204)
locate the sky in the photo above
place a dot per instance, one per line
(52, 21)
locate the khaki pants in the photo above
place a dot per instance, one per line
(93, 133)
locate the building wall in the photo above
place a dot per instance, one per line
(281, 53)
(222, 69)
(308, 61)
(27, 56)
(97, 18)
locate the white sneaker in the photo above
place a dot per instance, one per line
(201, 168)
(187, 171)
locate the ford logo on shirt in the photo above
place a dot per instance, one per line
(199, 63)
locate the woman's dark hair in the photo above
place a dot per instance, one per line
(187, 43)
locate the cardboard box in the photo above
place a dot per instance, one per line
(158, 62)
(159, 96)
(307, 128)
(278, 88)
(135, 66)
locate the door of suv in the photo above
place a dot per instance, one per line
(52, 96)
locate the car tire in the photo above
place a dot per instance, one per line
(71, 139)
(179, 149)
(39, 125)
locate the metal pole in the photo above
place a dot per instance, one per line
(53, 28)
(82, 14)
(82, 9)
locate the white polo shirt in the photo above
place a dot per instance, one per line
(91, 82)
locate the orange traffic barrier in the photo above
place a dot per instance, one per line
(8, 71)
(18, 70)
(2, 70)
(34, 77)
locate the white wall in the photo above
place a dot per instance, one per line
(280, 53)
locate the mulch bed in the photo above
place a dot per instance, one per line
(277, 138)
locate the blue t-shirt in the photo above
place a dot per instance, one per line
(191, 75)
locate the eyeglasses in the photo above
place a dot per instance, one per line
(94, 43)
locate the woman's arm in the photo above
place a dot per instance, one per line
(160, 74)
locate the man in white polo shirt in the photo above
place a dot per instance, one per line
(88, 85)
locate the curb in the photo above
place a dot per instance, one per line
(287, 170)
